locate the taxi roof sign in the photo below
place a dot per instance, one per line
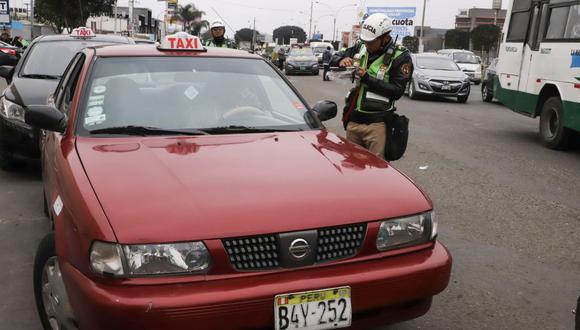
(82, 32)
(181, 41)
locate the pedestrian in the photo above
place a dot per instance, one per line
(281, 58)
(383, 71)
(218, 31)
(326, 56)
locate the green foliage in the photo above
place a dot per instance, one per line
(68, 14)
(284, 33)
(191, 18)
(411, 43)
(457, 39)
(245, 34)
(485, 37)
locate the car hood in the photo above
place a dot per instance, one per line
(442, 74)
(27, 91)
(190, 188)
(301, 58)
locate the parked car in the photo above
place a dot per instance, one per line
(438, 75)
(467, 61)
(172, 182)
(301, 60)
(318, 48)
(31, 82)
(488, 81)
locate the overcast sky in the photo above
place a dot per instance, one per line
(271, 14)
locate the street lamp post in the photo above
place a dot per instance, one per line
(421, 46)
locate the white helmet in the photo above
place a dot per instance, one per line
(216, 24)
(375, 26)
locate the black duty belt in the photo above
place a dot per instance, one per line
(368, 117)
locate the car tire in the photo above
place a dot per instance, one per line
(412, 93)
(316, 73)
(7, 162)
(476, 83)
(552, 131)
(49, 288)
(486, 95)
(462, 99)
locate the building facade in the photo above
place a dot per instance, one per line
(469, 19)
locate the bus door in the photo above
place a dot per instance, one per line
(512, 52)
(527, 89)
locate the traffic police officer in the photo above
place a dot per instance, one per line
(383, 70)
(218, 30)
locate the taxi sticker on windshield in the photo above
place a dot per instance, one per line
(95, 111)
(95, 98)
(96, 103)
(191, 92)
(95, 120)
(99, 89)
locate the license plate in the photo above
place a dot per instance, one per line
(321, 309)
(302, 68)
(446, 88)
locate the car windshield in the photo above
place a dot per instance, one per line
(436, 63)
(464, 58)
(301, 52)
(185, 93)
(52, 58)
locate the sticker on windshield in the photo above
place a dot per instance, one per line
(95, 98)
(96, 103)
(191, 92)
(298, 105)
(99, 89)
(95, 120)
(95, 111)
(57, 206)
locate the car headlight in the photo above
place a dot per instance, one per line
(149, 259)
(11, 110)
(402, 232)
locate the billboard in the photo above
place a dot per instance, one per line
(402, 18)
(4, 12)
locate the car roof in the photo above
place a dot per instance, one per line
(152, 50)
(431, 55)
(98, 37)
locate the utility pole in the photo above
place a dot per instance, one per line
(130, 23)
(115, 18)
(253, 35)
(334, 30)
(421, 45)
(310, 26)
(31, 20)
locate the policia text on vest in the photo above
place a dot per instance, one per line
(373, 99)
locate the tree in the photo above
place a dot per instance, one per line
(245, 35)
(411, 43)
(485, 37)
(457, 39)
(68, 14)
(284, 33)
(191, 18)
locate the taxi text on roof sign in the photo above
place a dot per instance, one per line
(181, 41)
(82, 32)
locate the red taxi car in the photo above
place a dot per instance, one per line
(195, 188)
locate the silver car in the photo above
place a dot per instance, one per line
(438, 75)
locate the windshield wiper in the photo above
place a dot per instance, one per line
(234, 129)
(145, 130)
(40, 76)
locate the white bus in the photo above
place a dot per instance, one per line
(538, 72)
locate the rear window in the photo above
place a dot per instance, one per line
(52, 58)
(434, 63)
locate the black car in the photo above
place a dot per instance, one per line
(33, 79)
(487, 83)
(301, 60)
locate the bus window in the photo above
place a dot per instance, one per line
(564, 23)
(533, 29)
(519, 21)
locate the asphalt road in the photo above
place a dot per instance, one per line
(508, 210)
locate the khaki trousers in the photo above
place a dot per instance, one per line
(370, 136)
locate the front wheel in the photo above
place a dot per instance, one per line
(462, 99)
(552, 131)
(7, 162)
(486, 95)
(412, 92)
(52, 301)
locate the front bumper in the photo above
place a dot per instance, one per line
(306, 69)
(18, 140)
(428, 87)
(385, 290)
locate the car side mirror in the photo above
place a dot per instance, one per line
(45, 117)
(6, 72)
(325, 110)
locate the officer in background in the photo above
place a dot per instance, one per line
(218, 31)
(383, 70)
(326, 56)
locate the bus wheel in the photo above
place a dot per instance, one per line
(485, 94)
(552, 131)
